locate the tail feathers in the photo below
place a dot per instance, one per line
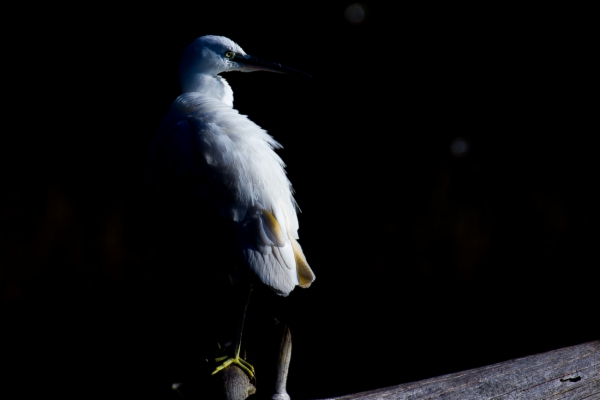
(305, 274)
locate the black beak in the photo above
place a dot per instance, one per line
(263, 65)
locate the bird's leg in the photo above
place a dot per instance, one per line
(236, 359)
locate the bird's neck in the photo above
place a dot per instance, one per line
(209, 85)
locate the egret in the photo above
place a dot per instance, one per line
(228, 165)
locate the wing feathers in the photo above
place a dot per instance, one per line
(305, 274)
(270, 271)
(232, 163)
(262, 240)
(276, 258)
(274, 229)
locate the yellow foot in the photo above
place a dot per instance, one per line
(238, 361)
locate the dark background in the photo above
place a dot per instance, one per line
(427, 261)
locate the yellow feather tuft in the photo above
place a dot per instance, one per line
(305, 274)
(274, 227)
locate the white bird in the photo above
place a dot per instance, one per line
(233, 168)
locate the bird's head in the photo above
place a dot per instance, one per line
(212, 55)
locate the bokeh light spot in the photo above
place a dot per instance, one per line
(355, 13)
(459, 147)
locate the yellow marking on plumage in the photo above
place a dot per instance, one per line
(274, 227)
(305, 274)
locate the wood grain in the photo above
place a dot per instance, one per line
(569, 373)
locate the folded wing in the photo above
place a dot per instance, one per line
(226, 158)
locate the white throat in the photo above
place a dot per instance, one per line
(213, 86)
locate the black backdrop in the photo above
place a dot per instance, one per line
(427, 262)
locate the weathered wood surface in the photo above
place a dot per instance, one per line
(283, 364)
(234, 384)
(570, 373)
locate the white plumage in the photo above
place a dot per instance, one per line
(233, 163)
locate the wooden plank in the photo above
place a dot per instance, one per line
(583, 391)
(536, 360)
(572, 373)
(569, 373)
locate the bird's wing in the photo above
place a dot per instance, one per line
(175, 155)
(229, 160)
(194, 155)
(273, 254)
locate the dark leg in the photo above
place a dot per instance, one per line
(236, 359)
(240, 328)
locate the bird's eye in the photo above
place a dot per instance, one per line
(229, 54)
